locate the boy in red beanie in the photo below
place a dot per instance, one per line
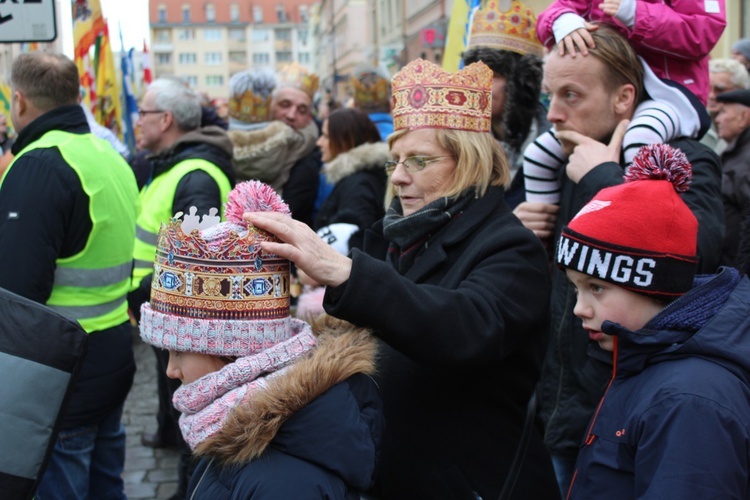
(675, 420)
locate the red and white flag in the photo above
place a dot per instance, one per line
(147, 76)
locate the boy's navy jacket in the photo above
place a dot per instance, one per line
(675, 420)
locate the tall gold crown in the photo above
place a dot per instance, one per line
(372, 92)
(513, 30)
(426, 96)
(296, 76)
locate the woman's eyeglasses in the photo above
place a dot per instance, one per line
(412, 164)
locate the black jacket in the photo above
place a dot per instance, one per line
(463, 335)
(44, 215)
(576, 369)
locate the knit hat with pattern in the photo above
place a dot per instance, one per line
(639, 235)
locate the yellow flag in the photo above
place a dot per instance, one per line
(88, 25)
(108, 111)
(458, 31)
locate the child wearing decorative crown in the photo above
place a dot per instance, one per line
(675, 419)
(272, 407)
(673, 40)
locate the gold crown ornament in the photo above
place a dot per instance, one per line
(296, 76)
(372, 91)
(426, 96)
(513, 30)
(250, 95)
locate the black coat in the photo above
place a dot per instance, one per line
(463, 334)
(576, 369)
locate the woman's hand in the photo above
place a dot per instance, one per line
(303, 246)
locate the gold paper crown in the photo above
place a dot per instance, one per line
(426, 96)
(514, 30)
(250, 108)
(296, 76)
(372, 92)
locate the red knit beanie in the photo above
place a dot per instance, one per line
(639, 235)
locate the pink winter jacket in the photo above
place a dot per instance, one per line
(674, 37)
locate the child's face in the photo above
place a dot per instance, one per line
(190, 366)
(600, 300)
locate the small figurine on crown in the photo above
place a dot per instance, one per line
(426, 96)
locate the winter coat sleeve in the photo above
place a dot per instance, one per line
(703, 197)
(682, 29)
(546, 20)
(691, 447)
(45, 217)
(301, 189)
(473, 321)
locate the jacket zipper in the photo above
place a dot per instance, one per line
(590, 438)
(197, 486)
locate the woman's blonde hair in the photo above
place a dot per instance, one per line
(480, 161)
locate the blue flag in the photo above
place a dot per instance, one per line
(129, 105)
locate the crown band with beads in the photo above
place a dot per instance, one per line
(426, 96)
(513, 30)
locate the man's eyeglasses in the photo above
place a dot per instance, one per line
(144, 112)
(412, 164)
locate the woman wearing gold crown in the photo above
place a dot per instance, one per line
(457, 292)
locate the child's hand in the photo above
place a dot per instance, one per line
(610, 7)
(580, 39)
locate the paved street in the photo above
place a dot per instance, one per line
(148, 473)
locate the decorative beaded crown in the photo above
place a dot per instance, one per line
(426, 96)
(513, 30)
(214, 289)
(372, 91)
(250, 99)
(296, 76)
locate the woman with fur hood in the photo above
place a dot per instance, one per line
(272, 407)
(354, 157)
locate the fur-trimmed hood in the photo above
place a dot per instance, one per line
(268, 154)
(366, 156)
(297, 414)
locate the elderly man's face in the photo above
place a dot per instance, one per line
(732, 119)
(720, 82)
(292, 106)
(579, 99)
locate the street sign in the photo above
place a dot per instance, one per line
(27, 21)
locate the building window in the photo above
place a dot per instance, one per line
(257, 14)
(302, 36)
(162, 13)
(212, 34)
(285, 56)
(304, 57)
(162, 35)
(191, 80)
(163, 58)
(214, 80)
(238, 57)
(303, 13)
(186, 34)
(284, 34)
(280, 13)
(234, 12)
(213, 57)
(237, 34)
(185, 13)
(261, 58)
(210, 13)
(188, 58)
(260, 35)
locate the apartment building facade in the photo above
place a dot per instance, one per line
(205, 42)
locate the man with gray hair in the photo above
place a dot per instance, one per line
(192, 173)
(724, 75)
(68, 204)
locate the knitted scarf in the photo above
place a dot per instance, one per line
(206, 403)
(408, 234)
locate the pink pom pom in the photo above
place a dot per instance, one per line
(253, 196)
(661, 162)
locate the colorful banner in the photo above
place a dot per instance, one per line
(5, 97)
(147, 75)
(458, 33)
(88, 24)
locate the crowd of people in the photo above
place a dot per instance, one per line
(500, 298)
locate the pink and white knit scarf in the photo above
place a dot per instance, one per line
(206, 403)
